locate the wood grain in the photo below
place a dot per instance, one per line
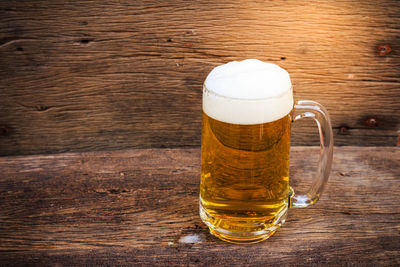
(95, 75)
(134, 207)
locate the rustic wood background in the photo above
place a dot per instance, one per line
(95, 75)
(120, 208)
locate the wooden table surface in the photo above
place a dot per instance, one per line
(140, 207)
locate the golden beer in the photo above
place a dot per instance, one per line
(244, 174)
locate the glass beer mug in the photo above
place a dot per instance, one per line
(248, 109)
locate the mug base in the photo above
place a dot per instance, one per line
(241, 237)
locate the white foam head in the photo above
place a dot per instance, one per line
(247, 92)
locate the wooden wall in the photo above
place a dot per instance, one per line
(99, 75)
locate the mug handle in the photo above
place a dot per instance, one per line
(312, 109)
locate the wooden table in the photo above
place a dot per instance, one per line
(141, 207)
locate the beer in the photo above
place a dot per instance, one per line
(245, 173)
(245, 147)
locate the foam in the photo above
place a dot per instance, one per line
(247, 92)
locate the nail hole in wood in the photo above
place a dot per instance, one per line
(283, 58)
(384, 49)
(113, 191)
(343, 130)
(4, 130)
(85, 41)
(371, 122)
(41, 108)
(169, 40)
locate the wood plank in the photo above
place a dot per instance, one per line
(95, 75)
(135, 206)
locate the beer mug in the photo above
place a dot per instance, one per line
(248, 109)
